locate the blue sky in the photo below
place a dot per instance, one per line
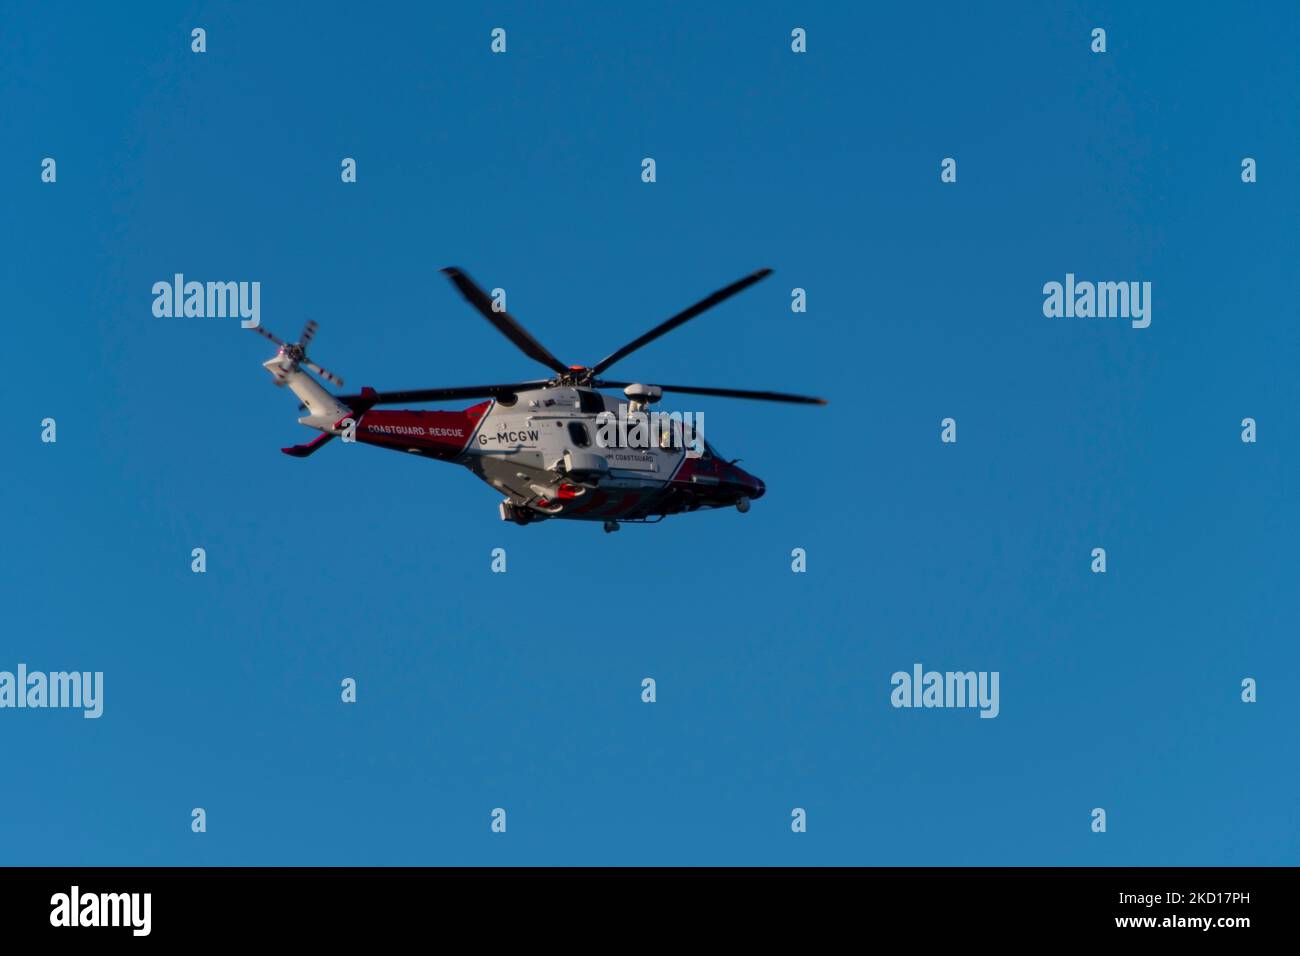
(522, 690)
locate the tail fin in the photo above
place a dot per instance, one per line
(324, 407)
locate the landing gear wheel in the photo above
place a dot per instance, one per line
(742, 505)
(611, 526)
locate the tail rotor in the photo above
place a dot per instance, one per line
(324, 373)
(292, 355)
(264, 333)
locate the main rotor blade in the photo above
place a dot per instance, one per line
(443, 394)
(664, 328)
(261, 331)
(505, 323)
(308, 333)
(724, 392)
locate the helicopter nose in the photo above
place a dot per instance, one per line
(754, 487)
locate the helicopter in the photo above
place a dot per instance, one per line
(554, 447)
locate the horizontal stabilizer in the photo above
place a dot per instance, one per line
(302, 451)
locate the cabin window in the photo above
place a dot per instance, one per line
(590, 403)
(578, 434)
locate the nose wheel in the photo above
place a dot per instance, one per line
(611, 526)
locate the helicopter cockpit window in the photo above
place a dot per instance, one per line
(578, 434)
(590, 403)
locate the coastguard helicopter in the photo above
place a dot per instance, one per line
(554, 447)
